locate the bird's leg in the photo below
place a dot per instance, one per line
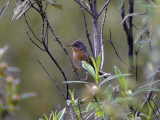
(75, 69)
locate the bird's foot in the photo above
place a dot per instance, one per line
(86, 78)
(75, 69)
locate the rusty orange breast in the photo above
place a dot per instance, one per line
(79, 55)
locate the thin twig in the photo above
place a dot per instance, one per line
(52, 80)
(87, 33)
(85, 8)
(54, 60)
(136, 53)
(110, 41)
(34, 42)
(31, 29)
(57, 39)
(103, 7)
(42, 31)
(46, 47)
(46, 34)
(102, 42)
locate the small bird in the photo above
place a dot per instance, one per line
(80, 53)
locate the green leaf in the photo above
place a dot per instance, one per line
(50, 117)
(68, 102)
(15, 87)
(122, 81)
(120, 3)
(45, 116)
(105, 116)
(114, 77)
(55, 4)
(41, 119)
(92, 105)
(92, 1)
(144, 41)
(118, 100)
(16, 5)
(21, 9)
(3, 50)
(94, 62)
(97, 68)
(89, 68)
(60, 114)
(28, 95)
(72, 94)
(75, 82)
(99, 62)
(144, 115)
(144, 90)
(4, 8)
(109, 92)
(129, 15)
(140, 32)
(99, 112)
(153, 101)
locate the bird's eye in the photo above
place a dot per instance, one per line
(75, 45)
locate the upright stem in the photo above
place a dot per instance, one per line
(129, 33)
(96, 33)
(130, 40)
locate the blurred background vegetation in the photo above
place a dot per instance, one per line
(69, 26)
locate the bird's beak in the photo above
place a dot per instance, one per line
(70, 45)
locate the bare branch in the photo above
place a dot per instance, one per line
(129, 35)
(34, 42)
(31, 29)
(103, 7)
(110, 41)
(86, 28)
(136, 53)
(57, 39)
(85, 8)
(54, 60)
(102, 44)
(52, 80)
(42, 31)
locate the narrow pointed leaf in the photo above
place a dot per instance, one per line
(60, 114)
(109, 92)
(92, 105)
(140, 32)
(122, 81)
(89, 68)
(129, 15)
(120, 3)
(28, 95)
(97, 68)
(75, 82)
(144, 90)
(4, 8)
(94, 62)
(124, 99)
(113, 77)
(45, 116)
(54, 3)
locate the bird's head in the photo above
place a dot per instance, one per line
(78, 44)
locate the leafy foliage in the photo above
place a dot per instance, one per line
(9, 91)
